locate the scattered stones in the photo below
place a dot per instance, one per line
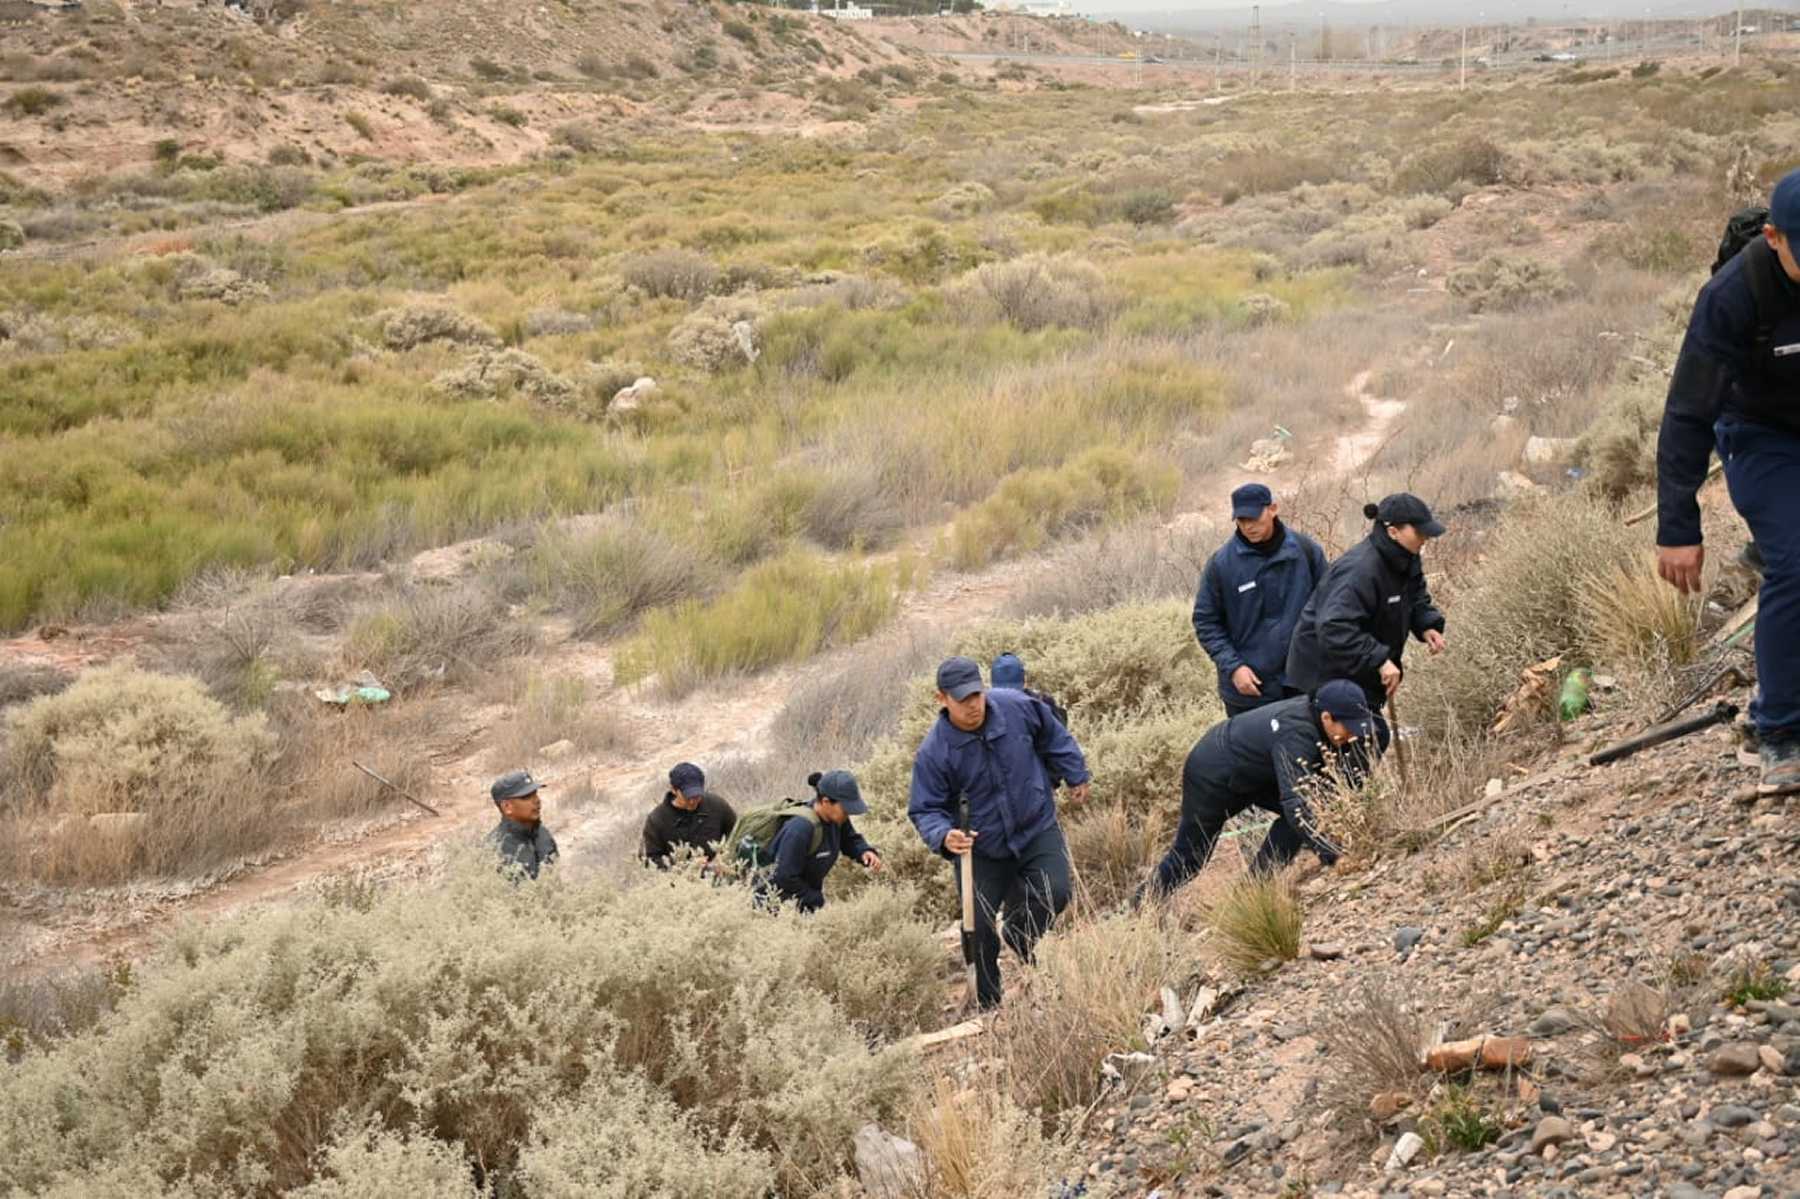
(1406, 937)
(1388, 1104)
(1735, 1060)
(1732, 1115)
(1772, 1059)
(1325, 951)
(1551, 1130)
(1553, 1022)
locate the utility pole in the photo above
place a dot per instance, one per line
(1293, 61)
(1218, 57)
(1462, 71)
(1737, 39)
(1256, 44)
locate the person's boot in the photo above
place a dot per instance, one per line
(1749, 746)
(1780, 767)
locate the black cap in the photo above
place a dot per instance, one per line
(1404, 508)
(959, 678)
(514, 784)
(1248, 501)
(840, 785)
(688, 779)
(1347, 704)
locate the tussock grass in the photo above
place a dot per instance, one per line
(1031, 507)
(1256, 921)
(1373, 1046)
(1631, 618)
(978, 1141)
(608, 576)
(431, 634)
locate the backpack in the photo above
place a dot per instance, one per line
(1056, 709)
(754, 834)
(1744, 232)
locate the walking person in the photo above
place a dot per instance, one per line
(1267, 758)
(689, 818)
(1250, 598)
(791, 847)
(1000, 752)
(1736, 388)
(524, 845)
(1370, 601)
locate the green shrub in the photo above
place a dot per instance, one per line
(506, 114)
(1032, 507)
(488, 69)
(555, 1036)
(1040, 291)
(607, 577)
(741, 31)
(781, 610)
(1501, 281)
(1666, 250)
(33, 101)
(166, 151)
(1439, 168)
(1148, 206)
(409, 85)
(361, 123)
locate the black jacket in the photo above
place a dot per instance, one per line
(668, 829)
(1370, 600)
(799, 871)
(1738, 362)
(1266, 756)
(524, 846)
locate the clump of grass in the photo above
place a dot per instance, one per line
(977, 1141)
(547, 710)
(408, 85)
(433, 634)
(1031, 507)
(507, 115)
(360, 122)
(33, 101)
(1753, 981)
(1497, 913)
(1255, 922)
(1459, 1119)
(1630, 617)
(1373, 1045)
(608, 576)
(786, 608)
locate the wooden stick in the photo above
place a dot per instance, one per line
(1638, 518)
(966, 867)
(1399, 749)
(404, 794)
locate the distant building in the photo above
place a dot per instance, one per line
(847, 12)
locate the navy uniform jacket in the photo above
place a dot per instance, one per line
(1726, 371)
(1007, 768)
(1267, 756)
(799, 871)
(1370, 600)
(1249, 603)
(527, 847)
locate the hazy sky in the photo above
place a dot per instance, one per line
(1447, 12)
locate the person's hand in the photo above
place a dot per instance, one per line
(872, 860)
(1246, 682)
(1078, 794)
(1434, 641)
(959, 842)
(1390, 678)
(1679, 565)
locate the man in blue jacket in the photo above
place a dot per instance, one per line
(1000, 751)
(1250, 598)
(1736, 387)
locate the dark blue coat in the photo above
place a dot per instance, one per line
(1369, 602)
(1249, 603)
(1006, 770)
(1726, 369)
(799, 870)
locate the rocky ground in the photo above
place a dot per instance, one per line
(1631, 924)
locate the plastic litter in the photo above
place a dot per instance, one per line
(365, 688)
(1575, 698)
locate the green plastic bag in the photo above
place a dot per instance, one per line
(1574, 699)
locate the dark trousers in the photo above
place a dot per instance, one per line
(1205, 807)
(1026, 892)
(1760, 466)
(1236, 704)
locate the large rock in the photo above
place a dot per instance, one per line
(1738, 1059)
(889, 1167)
(630, 399)
(1405, 1149)
(1551, 1130)
(1548, 451)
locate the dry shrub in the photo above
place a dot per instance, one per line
(432, 634)
(1373, 1045)
(722, 333)
(490, 374)
(1041, 291)
(416, 325)
(548, 710)
(556, 1035)
(672, 274)
(1631, 618)
(1256, 921)
(372, 1160)
(607, 576)
(851, 510)
(977, 1142)
(1440, 168)
(22, 681)
(1619, 448)
(1031, 507)
(1129, 564)
(1504, 281)
(1084, 998)
(37, 1011)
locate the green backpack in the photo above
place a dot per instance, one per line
(754, 833)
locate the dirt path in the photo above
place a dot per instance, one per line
(732, 718)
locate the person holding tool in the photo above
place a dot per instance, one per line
(1356, 624)
(1250, 597)
(1266, 758)
(999, 753)
(1734, 389)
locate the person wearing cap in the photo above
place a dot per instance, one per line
(799, 867)
(522, 841)
(1370, 601)
(1250, 598)
(689, 818)
(1265, 759)
(1001, 751)
(1736, 388)
(1008, 671)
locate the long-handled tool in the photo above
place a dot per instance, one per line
(1399, 746)
(402, 791)
(967, 868)
(1719, 713)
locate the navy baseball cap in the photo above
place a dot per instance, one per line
(1347, 705)
(1248, 501)
(1784, 203)
(688, 779)
(1007, 671)
(1404, 508)
(840, 785)
(515, 784)
(959, 678)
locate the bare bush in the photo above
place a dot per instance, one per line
(1502, 281)
(1128, 564)
(1041, 291)
(607, 576)
(551, 710)
(432, 634)
(851, 510)
(675, 274)
(1373, 1046)
(24, 681)
(405, 328)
